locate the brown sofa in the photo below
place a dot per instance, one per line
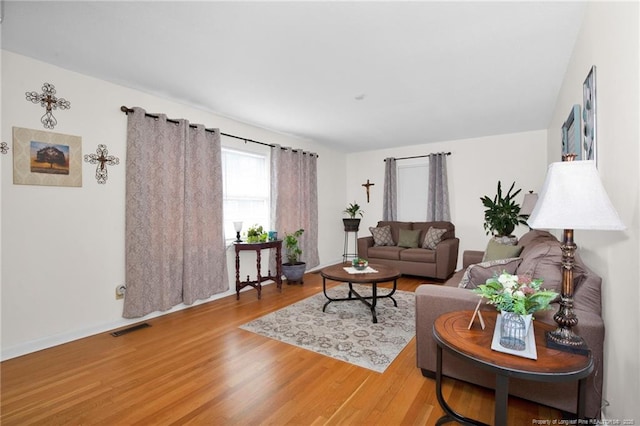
(438, 263)
(540, 258)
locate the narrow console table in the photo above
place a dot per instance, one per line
(474, 345)
(257, 283)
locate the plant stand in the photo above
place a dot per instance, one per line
(345, 254)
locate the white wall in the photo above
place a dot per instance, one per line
(609, 39)
(59, 286)
(474, 168)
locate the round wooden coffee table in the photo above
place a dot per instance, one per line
(384, 274)
(451, 332)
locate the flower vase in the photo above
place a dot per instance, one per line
(513, 330)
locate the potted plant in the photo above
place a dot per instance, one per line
(352, 224)
(256, 234)
(517, 297)
(293, 269)
(502, 213)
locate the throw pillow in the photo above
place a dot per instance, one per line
(382, 236)
(479, 273)
(433, 237)
(496, 251)
(409, 238)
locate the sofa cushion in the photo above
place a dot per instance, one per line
(385, 252)
(418, 255)
(479, 273)
(586, 288)
(395, 227)
(382, 236)
(424, 227)
(409, 238)
(496, 251)
(433, 237)
(542, 258)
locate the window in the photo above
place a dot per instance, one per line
(246, 188)
(412, 191)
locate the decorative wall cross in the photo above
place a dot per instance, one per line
(48, 100)
(368, 185)
(102, 159)
(4, 148)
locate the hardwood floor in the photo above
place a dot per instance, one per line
(197, 367)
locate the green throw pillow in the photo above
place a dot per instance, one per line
(409, 238)
(496, 251)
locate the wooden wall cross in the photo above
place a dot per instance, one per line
(367, 185)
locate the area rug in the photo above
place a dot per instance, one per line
(345, 331)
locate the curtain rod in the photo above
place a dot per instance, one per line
(127, 110)
(420, 156)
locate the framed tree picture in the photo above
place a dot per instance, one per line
(589, 116)
(46, 158)
(571, 139)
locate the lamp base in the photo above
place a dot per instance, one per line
(566, 341)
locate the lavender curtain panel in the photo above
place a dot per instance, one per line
(294, 200)
(205, 261)
(438, 195)
(390, 193)
(174, 244)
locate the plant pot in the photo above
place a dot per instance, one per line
(509, 240)
(294, 272)
(351, 225)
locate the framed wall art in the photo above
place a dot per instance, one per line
(46, 158)
(589, 117)
(571, 136)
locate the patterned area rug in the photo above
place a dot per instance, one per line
(345, 331)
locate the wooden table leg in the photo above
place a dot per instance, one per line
(582, 384)
(502, 399)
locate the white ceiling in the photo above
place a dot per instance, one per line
(353, 75)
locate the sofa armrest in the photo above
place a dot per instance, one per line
(446, 257)
(471, 257)
(363, 246)
(431, 302)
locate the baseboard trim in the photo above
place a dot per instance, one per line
(62, 338)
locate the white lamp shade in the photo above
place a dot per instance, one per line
(573, 197)
(237, 226)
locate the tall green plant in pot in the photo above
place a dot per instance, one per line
(293, 269)
(352, 224)
(502, 213)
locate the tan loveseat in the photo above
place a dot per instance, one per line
(540, 258)
(438, 263)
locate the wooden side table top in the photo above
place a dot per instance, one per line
(451, 331)
(337, 273)
(243, 245)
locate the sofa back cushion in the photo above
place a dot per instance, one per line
(587, 288)
(424, 227)
(542, 258)
(395, 228)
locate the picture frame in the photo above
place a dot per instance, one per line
(571, 134)
(46, 158)
(589, 117)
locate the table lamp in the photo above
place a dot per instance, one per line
(238, 227)
(572, 197)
